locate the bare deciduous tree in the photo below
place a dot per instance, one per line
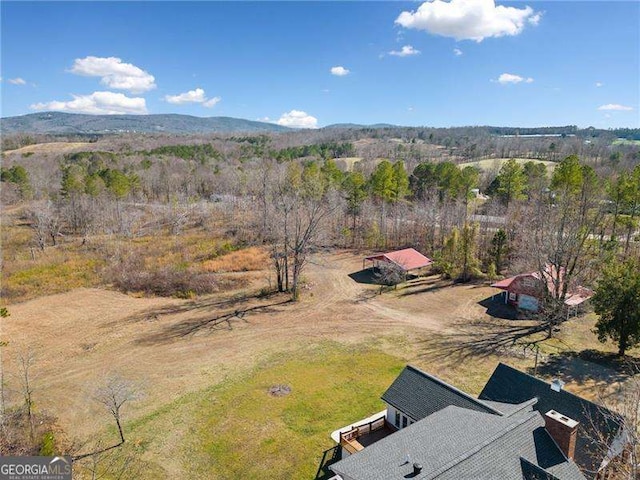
(113, 395)
(26, 360)
(4, 313)
(619, 450)
(45, 223)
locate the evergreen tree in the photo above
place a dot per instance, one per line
(511, 182)
(382, 182)
(498, 249)
(354, 188)
(423, 179)
(400, 182)
(617, 301)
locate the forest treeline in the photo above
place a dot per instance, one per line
(563, 200)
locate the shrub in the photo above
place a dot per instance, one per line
(131, 275)
(47, 448)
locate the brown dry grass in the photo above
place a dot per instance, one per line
(29, 273)
(245, 260)
(51, 147)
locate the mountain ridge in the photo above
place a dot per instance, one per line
(77, 123)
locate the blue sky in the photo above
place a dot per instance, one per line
(440, 63)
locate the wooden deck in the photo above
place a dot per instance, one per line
(364, 435)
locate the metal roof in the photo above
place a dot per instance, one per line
(407, 259)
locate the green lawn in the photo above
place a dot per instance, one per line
(237, 430)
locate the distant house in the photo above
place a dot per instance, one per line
(519, 428)
(525, 291)
(407, 259)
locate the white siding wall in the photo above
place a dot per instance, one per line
(391, 417)
(391, 414)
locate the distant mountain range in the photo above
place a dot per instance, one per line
(355, 126)
(73, 123)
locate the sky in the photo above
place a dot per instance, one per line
(310, 64)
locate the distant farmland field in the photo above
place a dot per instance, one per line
(51, 147)
(624, 141)
(347, 164)
(496, 163)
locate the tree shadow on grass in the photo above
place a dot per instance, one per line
(203, 325)
(483, 338)
(589, 366)
(424, 285)
(198, 305)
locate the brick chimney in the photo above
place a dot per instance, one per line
(563, 430)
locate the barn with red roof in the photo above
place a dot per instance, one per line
(525, 291)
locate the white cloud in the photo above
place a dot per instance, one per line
(535, 19)
(115, 73)
(297, 119)
(17, 81)
(615, 107)
(406, 51)
(468, 19)
(97, 103)
(457, 52)
(509, 78)
(212, 102)
(193, 96)
(599, 84)
(339, 71)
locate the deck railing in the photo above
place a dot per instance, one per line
(349, 440)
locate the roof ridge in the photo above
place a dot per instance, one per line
(455, 390)
(473, 451)
(523, 405)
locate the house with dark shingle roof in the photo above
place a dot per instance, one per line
(597, 426)
(519, 428)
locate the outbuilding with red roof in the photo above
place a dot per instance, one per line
(407, 259)
(526, 290)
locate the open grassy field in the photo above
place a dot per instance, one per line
(496, 163)
(236, 429)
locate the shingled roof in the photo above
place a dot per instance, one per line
(508, 385)
(418, 395)
(457, 443)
